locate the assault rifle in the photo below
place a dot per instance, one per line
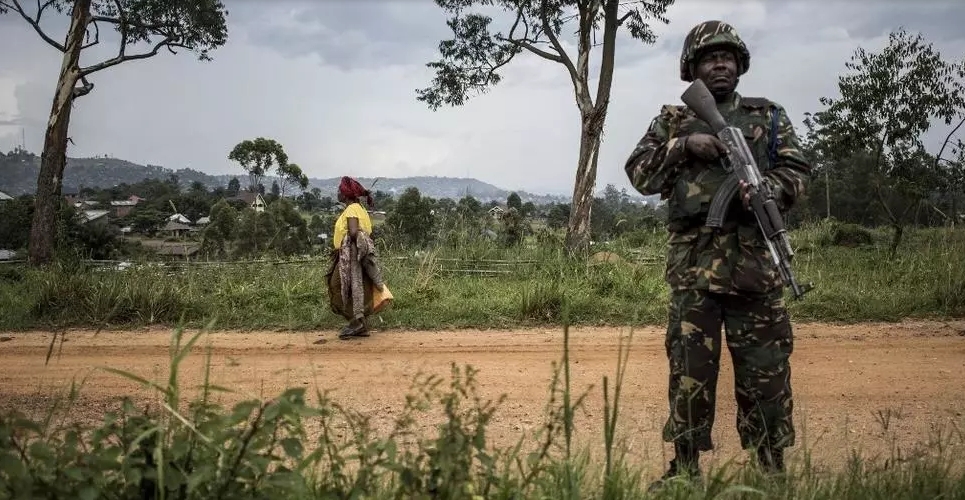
(740, 164)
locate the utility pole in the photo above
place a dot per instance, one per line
(827, 191)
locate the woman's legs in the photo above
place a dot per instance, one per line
(353, 291)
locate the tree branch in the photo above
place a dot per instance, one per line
(97, 36)
(85, 88)
(35, 22)
(610, 26)
(948, 138)
(884, 204)
(123, 26)
(587, 30)
(574, 76)
(121, 57)
(525, 42)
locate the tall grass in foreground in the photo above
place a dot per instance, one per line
(483, 285)
(290, 448)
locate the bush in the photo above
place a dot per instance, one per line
(845, 234)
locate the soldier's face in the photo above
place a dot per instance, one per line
(718, 70)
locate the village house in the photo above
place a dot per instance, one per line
(71, 196)
(95, 217)
(122, 208)
(176, 229)
(253, 200)
(177, 226)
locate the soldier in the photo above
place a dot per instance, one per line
(725, 276)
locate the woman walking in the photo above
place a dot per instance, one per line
(356, 287)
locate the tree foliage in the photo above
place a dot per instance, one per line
(888, 102)
(471, 60)
(220, 231)
(198, 26)
(514, 201)
(412, 222)
(258, 156)
(291, 175)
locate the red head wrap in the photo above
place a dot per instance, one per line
(353, 190)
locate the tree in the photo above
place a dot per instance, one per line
(411, 220)
(514, 201)
(887, 104)
(220, 231)
(291, 230)
(234, 185)
(15, 222)
(513, 227)
(254, 233)
(258, 156)
(469, 208)
(195, 25)
(528, 209)
(471, 60)
(557, 216)
(291, 174)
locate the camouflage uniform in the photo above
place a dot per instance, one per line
(722, 276)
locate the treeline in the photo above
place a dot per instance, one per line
(226, 226)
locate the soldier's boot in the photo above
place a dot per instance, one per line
(685, 463)
(771, 460)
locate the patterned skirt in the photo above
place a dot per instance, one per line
(353, 273)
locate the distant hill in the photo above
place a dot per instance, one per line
(18, 175)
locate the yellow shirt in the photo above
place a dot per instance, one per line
(341, 224)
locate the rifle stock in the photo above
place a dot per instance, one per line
(741, 166)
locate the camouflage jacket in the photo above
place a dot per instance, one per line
(732, 259)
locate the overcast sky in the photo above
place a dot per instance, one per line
(335, 83)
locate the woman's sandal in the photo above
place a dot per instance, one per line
(350, 330)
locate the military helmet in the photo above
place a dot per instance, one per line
(711, 34)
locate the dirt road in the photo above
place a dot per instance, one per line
(848, 380)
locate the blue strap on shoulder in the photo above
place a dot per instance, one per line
(772, 142)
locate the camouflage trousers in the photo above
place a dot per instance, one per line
(760, 341)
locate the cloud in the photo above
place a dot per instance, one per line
(361, 34)
(335, 83)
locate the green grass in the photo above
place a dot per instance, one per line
(853, 284)
(290, 447)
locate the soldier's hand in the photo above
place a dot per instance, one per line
(745, 190)
(705, 146)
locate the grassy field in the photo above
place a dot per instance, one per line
(486, 286)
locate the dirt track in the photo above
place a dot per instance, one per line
(842, 376)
